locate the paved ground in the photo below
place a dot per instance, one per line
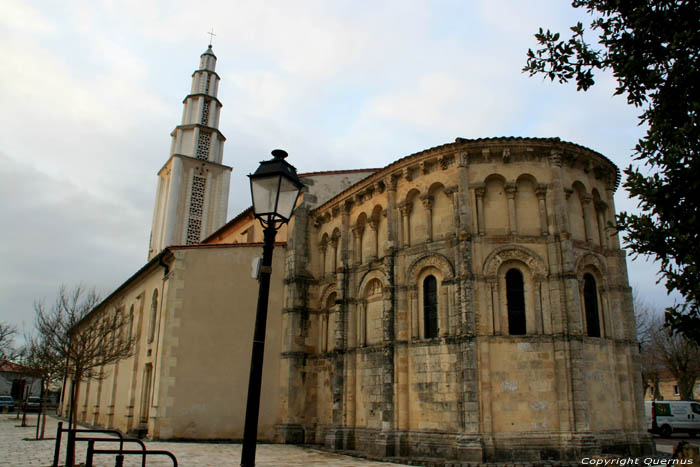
(667, 444)
(19, 449)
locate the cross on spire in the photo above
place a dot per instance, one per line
(211, 34)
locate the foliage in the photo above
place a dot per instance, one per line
(72, 342)
(652, 48)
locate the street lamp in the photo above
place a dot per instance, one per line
(275, 188)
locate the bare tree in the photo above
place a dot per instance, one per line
(681, 357)
(662, 350)
(77, 340)
(40, 363)
(648, 324)
(8, 352)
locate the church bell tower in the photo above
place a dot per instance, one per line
(193, 185)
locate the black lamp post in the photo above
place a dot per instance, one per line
(275, 188)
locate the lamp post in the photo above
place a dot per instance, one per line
(275, 188)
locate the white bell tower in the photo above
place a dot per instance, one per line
(193, 185)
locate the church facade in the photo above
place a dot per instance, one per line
(469, 301)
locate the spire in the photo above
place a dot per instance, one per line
(208, 60)
(193, 186)
(198, 135)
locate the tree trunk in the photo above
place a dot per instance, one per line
(685, 387)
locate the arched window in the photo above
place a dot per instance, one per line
(154, 314)
(515, 299)
(430, 307)
(590, 301)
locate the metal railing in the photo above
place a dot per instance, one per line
(119, 460)
(73, 438)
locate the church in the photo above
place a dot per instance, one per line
(468, 301)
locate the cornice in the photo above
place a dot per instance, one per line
(201, 94)
(465, 151)
(189, 126)
(194, 159)
(200, 70)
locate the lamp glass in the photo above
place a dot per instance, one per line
(288, 193)
(264, 191)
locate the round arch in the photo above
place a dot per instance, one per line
(435, 260)
(514, 252)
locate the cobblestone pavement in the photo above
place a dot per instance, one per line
(18, 448)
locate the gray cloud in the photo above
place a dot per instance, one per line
(93, 90)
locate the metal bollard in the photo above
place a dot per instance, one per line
(88, 456)
(70, 449)
(57, 447)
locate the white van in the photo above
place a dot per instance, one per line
(673, 417)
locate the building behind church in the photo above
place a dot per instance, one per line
(468, 301)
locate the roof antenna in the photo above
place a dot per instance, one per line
(211, 36)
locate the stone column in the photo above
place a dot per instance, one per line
(541, 192)
(322, 331)
(334, 249)
(428, 205)
(374, 226)
(362, 307)
(614, 239)
(357, 242)
(479, 192)
(405, 209)
(600, 208)
(569, 362)
(323, 246)
(384, 443)
(511, 188)
(495, 305)
(588, 217)
(391, 183)
(444, 325)
(451, 312)
(413, 302)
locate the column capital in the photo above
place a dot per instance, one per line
(347, 206)
(427, 201)
(358, 229)
(511, 188)
(392, 181)
(541, 190)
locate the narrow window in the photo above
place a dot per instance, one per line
(590, 300)
(515, 298)
(154, 314)
(675, 391)
(131, 322)
(430, 305)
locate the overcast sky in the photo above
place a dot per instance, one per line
(91, 91)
